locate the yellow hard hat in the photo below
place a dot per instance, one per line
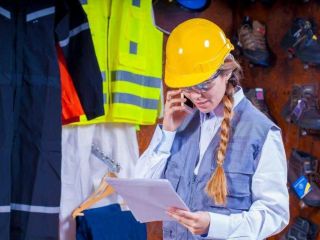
(195, 50)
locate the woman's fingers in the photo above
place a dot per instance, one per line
(176, 101)
(189, 223)
(195, 222)
(176, 104)
(183, 213)
(172, 93)
(173, 109)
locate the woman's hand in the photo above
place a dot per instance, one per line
(174, 111)
(196, 222)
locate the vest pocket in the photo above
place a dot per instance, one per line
(239, 178)
(132, 44)
(239, 168)
(239, 184)
(239, 191)
(239, 160)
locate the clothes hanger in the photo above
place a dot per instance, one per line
(104, 189)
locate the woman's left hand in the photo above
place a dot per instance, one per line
(196, 222)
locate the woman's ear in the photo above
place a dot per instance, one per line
(229, 75)
(226, 77)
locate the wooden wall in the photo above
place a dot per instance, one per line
(276, 80)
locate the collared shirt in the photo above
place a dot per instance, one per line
(269, 212)
(210, 123)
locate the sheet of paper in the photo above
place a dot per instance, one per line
(148, 199)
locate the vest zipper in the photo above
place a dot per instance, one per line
(193, 183)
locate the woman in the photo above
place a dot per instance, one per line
(224, 157)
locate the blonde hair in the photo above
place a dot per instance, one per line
(217, 187)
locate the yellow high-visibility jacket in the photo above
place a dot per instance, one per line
(129, 52)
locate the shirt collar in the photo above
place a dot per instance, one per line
(218, 111)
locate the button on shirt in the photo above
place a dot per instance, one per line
(269, 212)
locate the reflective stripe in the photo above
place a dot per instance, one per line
(84, 2)
(35, 209)
(105, 98)
(5, 209)
(74, 32)
(40, 13)
(135, 100)
(103, 74)
(5, 13)
(136, 78)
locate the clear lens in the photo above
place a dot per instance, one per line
(202, 87)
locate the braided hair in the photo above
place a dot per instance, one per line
(217, 187)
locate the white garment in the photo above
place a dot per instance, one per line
(81, 171)
(268, 214)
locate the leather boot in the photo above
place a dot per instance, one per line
(304, 164)
(301, 41)
(302, 229)
(256, 96)
(252, 42)
(302, 108)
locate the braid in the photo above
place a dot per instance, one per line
(217, 185)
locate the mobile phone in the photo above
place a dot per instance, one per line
(188, 102)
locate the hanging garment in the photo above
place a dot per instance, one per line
(129, 50)
(98, 13)
(82, 171)
(109, 223)
(30, 105)
(71, 106)
(135, 62)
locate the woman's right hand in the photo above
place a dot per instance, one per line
(175, 111)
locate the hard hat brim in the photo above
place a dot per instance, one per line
(175, 80)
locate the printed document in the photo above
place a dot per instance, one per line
(148, 199)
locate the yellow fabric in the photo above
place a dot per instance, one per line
(195, 50)
(133, 25)
(129, 48)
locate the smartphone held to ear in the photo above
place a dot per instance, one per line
(188, 102)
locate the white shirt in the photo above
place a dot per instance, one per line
(269, 212)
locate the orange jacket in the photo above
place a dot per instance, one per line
(71, 106)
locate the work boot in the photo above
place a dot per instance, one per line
(302, 229)
(252, 42)
(304, 164)
(256, 96)
(302, 42)
(302, 108)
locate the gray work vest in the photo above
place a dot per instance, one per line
(249, 129)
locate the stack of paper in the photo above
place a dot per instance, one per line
(148, 199)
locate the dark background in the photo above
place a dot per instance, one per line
(276, 80)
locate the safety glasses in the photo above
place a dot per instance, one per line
(204, 86)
